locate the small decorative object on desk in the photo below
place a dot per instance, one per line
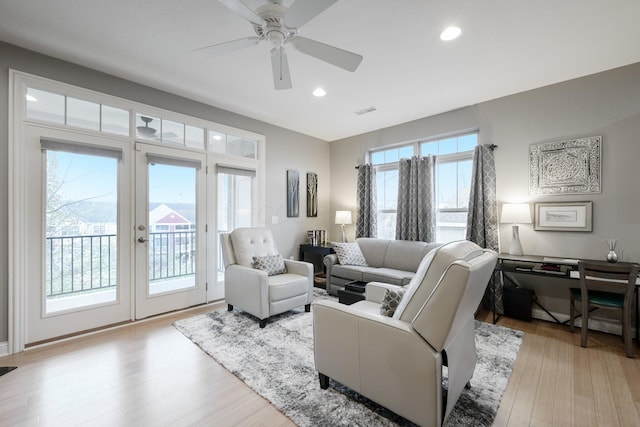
(612, 256)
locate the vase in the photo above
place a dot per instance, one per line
(612, 256)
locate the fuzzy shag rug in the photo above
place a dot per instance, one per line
(277, 363)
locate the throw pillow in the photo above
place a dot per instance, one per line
(391, 301)
(349, 254)
(273, 264)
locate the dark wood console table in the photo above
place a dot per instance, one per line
(315, 254)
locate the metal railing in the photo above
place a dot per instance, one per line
(88, 263)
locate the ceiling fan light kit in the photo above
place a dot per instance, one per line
(279, 25)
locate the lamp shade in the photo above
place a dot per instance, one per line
(515, 213)
(343, 217)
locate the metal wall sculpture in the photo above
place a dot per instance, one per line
(566, 167)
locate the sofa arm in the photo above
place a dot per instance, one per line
(375, 291)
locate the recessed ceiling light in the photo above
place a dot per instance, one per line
(319, 92)
(450, 33)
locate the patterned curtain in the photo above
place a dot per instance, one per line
(366, 221)
(416, 214)
(482, 217)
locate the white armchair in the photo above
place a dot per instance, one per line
(397, 361)
(252, 289)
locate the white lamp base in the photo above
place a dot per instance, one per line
(516, 247)
(344, 236)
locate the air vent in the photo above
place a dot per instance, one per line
(365, 110)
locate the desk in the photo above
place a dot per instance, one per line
(532, 265)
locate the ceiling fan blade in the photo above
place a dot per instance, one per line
(324, 52)
(303, 11)
(280, 66)
(226, 47)
(239, 8)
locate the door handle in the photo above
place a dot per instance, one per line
(141, 239)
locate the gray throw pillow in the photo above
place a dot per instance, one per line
(272, 264)
(391, 301)
(349, 254)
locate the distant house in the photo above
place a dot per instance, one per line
(165, 219)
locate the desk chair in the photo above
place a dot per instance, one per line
(604, 285)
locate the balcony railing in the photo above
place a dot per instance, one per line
(89, 263)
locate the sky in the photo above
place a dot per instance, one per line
(95, 178)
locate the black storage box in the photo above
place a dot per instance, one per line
(517, 302)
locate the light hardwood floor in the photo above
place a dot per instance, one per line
(149, 374)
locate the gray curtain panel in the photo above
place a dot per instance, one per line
(366, 220)
(482, 219)
(416, 213)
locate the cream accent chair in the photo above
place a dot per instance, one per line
(398, 361)
(252, 290)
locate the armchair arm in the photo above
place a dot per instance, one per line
(247, 288)
(375, 291)
(379, 357)
(304, 269)
(299, 267)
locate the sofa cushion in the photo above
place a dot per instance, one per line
(351, 272)
(387, 275)
(404, 255)
(391, 301)
(288, 285)
(374, 250)
(272, 264)
(349, 254)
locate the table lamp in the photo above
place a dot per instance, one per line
(515, 213)
(342, 218)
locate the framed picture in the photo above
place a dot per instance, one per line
(566, 167)
(312, 194)
(563, 216)
(293, 193)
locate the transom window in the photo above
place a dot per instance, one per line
(454, 156)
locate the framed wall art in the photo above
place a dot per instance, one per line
(312, 194)
(563, 216)
(566, 167)
(293, 193)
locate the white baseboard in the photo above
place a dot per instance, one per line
(595, 323)
(4, 349)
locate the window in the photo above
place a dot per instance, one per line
(453, 183)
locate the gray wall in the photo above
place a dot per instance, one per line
(606, 104)
(285, 149)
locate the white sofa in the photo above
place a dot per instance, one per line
(388, 261)
(398, 361)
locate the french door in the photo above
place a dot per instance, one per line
(170, 242)
(77, 233)
(113, 234)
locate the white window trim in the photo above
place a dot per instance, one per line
(18, 257)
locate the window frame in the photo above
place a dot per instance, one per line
(441, 159)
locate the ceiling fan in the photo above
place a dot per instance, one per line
(279, 25)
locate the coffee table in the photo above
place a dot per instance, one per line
(352, 292)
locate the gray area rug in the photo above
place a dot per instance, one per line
(277, 363)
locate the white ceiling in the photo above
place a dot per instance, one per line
(506, 47)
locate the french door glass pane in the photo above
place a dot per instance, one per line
(172, 228)
(235, 195)
(81, 231)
